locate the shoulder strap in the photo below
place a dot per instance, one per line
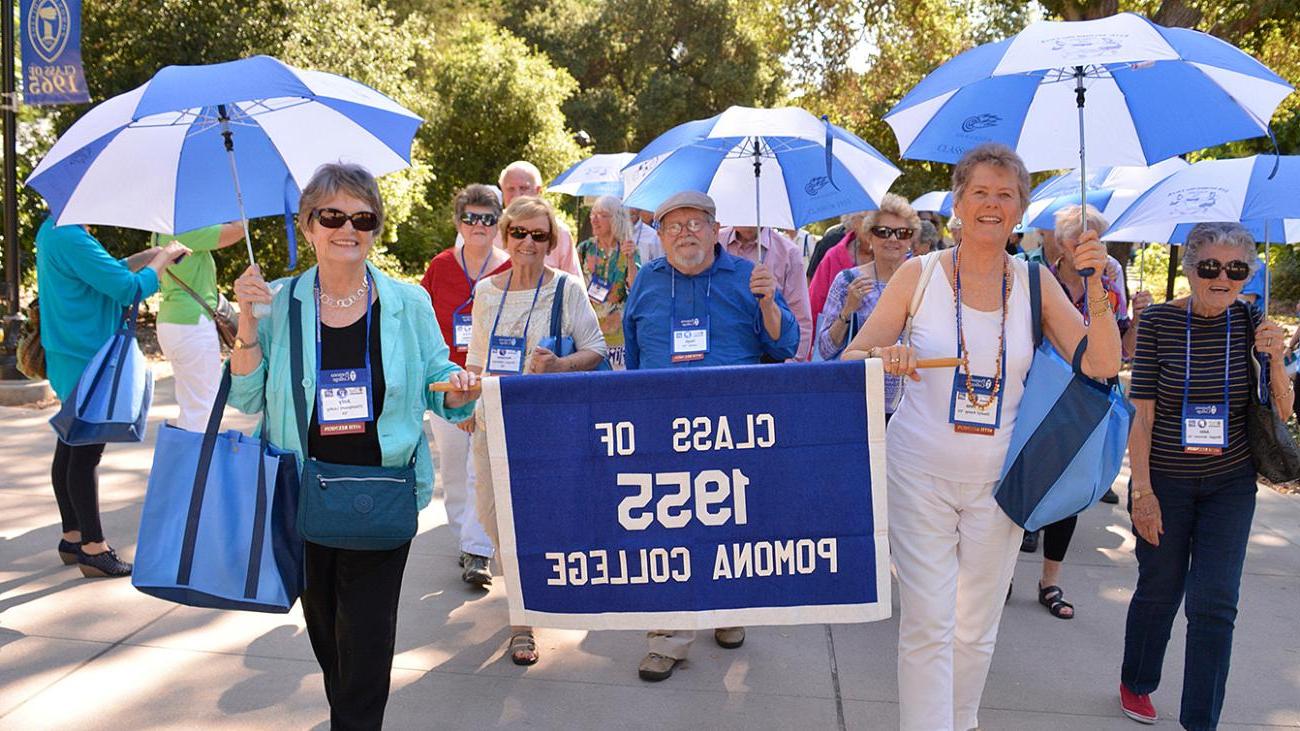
(1036, 302)
(557, 308)
(295, 364)
(931, 260)
(194, 295)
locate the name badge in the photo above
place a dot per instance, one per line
(598, 290)
(343, 401)
(462, 328)
(967, 418)
(690, 339)
(1205, 428)
(505, 355)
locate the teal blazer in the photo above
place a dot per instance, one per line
(414, 355)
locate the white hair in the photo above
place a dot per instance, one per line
(1068, 225)
(1226, 234)
(522, 166)
(619, 221)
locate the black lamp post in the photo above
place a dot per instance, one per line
(13, 319)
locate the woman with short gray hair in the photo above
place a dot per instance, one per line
(1192, 496)
(927, 239)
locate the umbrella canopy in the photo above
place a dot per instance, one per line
(936, 201)
(1149, 93)
(597, 175)
(1251, 189)
(157, 157)
(1111, 190)
(1273, 231)
(769, 167)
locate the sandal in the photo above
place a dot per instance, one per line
(523, 648)
(1052, 598)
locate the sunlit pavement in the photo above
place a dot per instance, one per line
(95, 654)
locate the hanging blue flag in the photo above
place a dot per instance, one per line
(51, 33)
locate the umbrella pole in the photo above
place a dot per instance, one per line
(758, 197)
(1142, 266)
(229, 140)
(1268, 275)
(1079, 91)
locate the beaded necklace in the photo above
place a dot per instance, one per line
(961, 335)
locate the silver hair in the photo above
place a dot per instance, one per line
(894, 204)
(1211, 234)
(928, 234)
(997, 155)
(522, 166)
(619, 220)
(333, 178)
(1069, 227)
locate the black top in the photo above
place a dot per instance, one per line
(833, 236)
(340, 347)
(1159, 375)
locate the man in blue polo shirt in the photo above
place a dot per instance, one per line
(700, 306)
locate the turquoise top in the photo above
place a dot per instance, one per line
(82, 291)
(414, 355)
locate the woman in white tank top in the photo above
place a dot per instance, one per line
(954, 549)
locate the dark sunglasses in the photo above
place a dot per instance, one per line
(1237, 270)
(518, 232)
(902, 233)
(477, 219)
(334, 218)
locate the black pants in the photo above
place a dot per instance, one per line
(350, 605)
(1056, 538)
(75, 476)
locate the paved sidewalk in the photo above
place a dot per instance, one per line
(77, 653)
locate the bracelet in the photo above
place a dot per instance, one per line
(1137, 494)
(1099, 307)
(842, 319)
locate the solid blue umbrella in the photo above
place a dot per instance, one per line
(762, 167)
(200, 145)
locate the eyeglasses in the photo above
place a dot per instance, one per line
(694, 225)
(1237, 270)
(902, 233)
(334, 218)
(520, 233)
(479, 219)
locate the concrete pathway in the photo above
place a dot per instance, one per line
(77, 653)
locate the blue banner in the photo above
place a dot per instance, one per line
(692, 498)
(51, 36)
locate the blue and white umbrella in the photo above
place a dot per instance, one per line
(597, 175)
(1111, 190)
(762, 167)
(936, 201)
(199, 145)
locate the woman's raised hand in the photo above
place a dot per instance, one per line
(251, 289)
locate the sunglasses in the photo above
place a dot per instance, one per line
(334, 218)
(1237, 270)
(902, 233)
(479, 219)
(520, 233)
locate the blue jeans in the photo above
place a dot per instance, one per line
(1206, 527)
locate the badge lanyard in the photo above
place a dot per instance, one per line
(510, 351)
(690, 336)
(1209, 435)
(965, 416)
(344, 399)
(600, 287)
(461, 324)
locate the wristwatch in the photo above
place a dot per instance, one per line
(1136, 493)
(241, 345)
(844, 319)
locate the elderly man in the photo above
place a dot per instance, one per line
(700, 306)
(784, 259)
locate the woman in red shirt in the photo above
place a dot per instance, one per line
(450, 281)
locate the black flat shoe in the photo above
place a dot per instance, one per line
(68, 552)
(1110, 498)
(1029, 543)
(102, 565)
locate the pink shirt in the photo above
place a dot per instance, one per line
(785, 260)
(839, 258)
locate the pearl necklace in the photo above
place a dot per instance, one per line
(346, 302)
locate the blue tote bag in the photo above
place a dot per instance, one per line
(557, 343)
(1070, 435)
(110, 402)
(219, 526)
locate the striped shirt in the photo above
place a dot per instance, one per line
(1159, 374)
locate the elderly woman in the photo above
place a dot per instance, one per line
(1058, 255)
(1193, 493)
(354, 320)
(511, 315)
(953, 547)
(450, 281)
(83, 291)
(927, 239)
(610, 261)
(856, 291)
(855, 249)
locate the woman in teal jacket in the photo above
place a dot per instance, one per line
(366, 330)
(83, 291)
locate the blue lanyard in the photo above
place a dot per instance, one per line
(1187, 355)
(506, 293)
(464, 270)
(957, 283)
(369, 283)
(708, 294)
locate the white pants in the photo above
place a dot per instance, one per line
(195, 355)
(456, 471)
(954, 552)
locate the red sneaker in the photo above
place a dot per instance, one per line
(1137, 706)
